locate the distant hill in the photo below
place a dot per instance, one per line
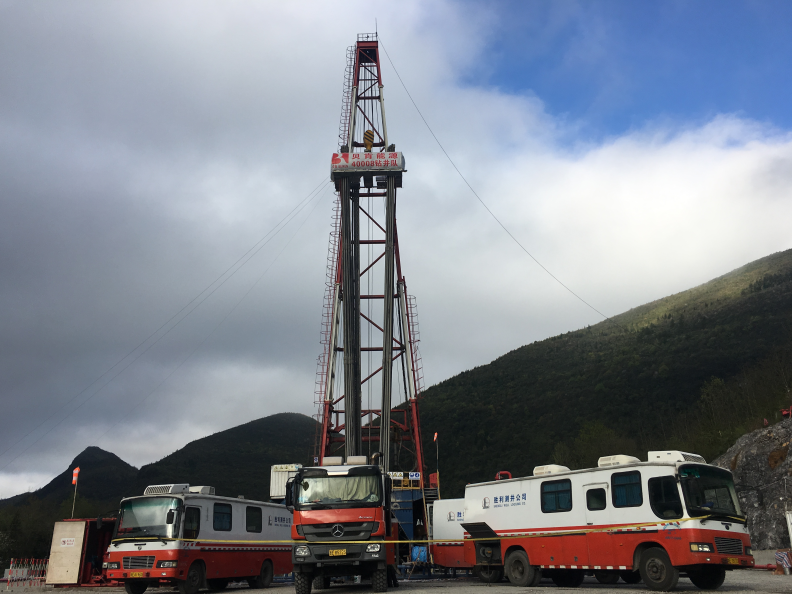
(236, 462)
(629, 383)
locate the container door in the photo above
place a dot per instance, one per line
(65, 563)
(599, 517)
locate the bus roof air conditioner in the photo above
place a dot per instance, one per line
(616, 460)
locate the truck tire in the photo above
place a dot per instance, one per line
(264, 578)
(489, 574)
(135, 587)
(321, 583)
(568, 578)
(518, 569)
(707, 577)
(302, 583)
(537, 577)
(630, 577)
(379, 580)
(217, 585)
(193, 581)
(606, 577)
(656, 570)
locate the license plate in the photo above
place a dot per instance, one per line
(337, 552)
(136, 574)
(732, 561)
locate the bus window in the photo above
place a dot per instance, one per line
(253, 519)
(595, 499)
(192, 522)
(627, 489)
(556, 496)
(222, 517)
(664, 497)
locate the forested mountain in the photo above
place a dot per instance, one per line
(624, 385)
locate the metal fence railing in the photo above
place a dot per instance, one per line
(27, 573)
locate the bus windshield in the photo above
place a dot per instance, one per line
(317, 490)
(710, 491)
(147, 517)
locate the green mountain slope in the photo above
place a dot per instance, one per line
(628, 381)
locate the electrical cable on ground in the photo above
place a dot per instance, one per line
(492, 214)
(244, 259)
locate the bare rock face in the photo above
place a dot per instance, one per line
(762, 470)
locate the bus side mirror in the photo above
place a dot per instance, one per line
(170, 517)
(289, 500)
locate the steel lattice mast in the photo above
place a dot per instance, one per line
(367, 171)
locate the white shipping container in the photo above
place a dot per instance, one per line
(447, 518)
(279, 474)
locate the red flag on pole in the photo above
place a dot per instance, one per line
(435, 437)
(74, 475)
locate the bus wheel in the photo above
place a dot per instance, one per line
(217, 585)
(707, 577)
(321, 583)
(489, 574)
(606, 577)
(568, 578)
(192, 583)
(135, 587)
(302, 583)
(264, 579)
(630, 577)
(518, 569)
(656, 570)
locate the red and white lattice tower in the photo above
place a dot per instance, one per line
(369, 323)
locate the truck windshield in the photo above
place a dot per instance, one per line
(148, 517)
(322, 490)
(709, 491)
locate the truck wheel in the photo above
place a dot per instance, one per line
(302, 583)
(264, 578)
(606, 577)
(707, 577)
(321, 583)
(217, 585)
(630, 577)
(379, 580)
(193, 582)
(518, 569)
(656, 570)
(568, 578)
(135, 587)
(489, 574)
(537, 577)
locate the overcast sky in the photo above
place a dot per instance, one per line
(636, 149)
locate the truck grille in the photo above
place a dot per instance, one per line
(729, 546)
(140, 562)
(352, 531)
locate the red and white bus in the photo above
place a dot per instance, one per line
(624, 519)
(189, 537)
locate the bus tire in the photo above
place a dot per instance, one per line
(379, 580)
(194, 580)
(568, 578)
(302, 583)
(630, 577)
(217, 585)
(606, 577)
(321, 583)
(135, 587)
(489, 574)
(707, 577)
(518, 569)
(264, 578)
(656, 570)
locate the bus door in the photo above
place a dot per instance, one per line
(599, 517)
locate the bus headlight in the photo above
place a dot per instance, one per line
(302, 551)
(110, 565)
(167, 563)
(748, 551)
(373, 548)
(701, 547)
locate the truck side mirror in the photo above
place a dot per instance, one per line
(170, 517)
(289, 500)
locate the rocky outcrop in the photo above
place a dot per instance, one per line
(762, 470)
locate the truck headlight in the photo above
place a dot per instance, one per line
(167, 563)
(110, 565)
(748, 551)
(373, 548)
(302, 551)
(701, 547)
